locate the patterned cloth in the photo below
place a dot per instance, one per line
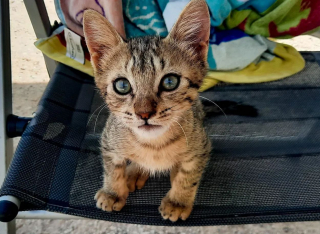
(239, 51)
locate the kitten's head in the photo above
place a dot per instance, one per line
(149, 82)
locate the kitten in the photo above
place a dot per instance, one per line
(151, 87)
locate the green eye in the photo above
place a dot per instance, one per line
(170, 82)
(122, 86)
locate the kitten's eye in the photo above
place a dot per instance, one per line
(122, 86)
(170, 82)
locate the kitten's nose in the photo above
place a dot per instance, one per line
(146, 115)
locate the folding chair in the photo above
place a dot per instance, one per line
(264, 166)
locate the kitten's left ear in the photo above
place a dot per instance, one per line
(193, 27)
(101, 37)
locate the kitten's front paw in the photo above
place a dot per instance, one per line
(173, 211)
(109, 201)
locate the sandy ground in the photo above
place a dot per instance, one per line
(29, 81)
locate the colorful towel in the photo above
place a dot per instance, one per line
(239, 51)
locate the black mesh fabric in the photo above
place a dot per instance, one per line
(264, 166)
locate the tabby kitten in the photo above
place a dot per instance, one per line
(151, 87)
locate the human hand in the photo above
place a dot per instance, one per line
(114, 14)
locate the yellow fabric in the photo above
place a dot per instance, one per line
(287, 62)
(56, 51)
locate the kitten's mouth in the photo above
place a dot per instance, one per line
(149, 127)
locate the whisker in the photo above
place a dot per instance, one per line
(184, 119)
(95, 123)
(93, 113)
(215, 105)
(171, 131)
(183, 132)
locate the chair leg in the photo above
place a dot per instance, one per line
(8, 228)
(41, 24)
(6, 145)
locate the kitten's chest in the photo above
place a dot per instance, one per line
(159, 159)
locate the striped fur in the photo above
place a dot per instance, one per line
(180, 144)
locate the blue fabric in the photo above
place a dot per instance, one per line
(259, 5)
(227, 35)
(59, 12)
(211, 61)
(144, 17)
(212, 37)
(219, 10)
(234, 3)
(162, 4)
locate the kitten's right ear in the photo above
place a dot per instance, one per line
(101, 37)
